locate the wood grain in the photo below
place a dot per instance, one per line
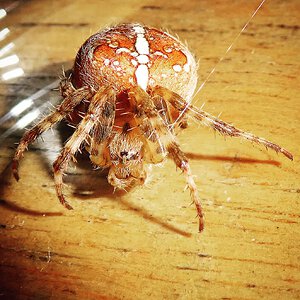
(144, 244)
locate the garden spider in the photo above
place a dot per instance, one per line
(128, 93)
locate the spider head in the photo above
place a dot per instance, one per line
(127, 168)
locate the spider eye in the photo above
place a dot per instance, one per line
(123, 153)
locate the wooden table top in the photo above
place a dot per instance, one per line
(144, 244)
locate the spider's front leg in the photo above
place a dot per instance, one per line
(81, 133)
(181, 162)
(155, 151)
(66, 107)
(98, 149)
(145, 104)
(208, 120)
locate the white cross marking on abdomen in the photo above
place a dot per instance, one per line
(142, 48)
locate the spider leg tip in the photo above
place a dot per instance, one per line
(16, 176)
(68, 206)
(15, 172)
(64, 202)
(288, 154)
(201, 227)
(201, 223)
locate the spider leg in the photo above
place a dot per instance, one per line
(162, 108)
(155, 151)
(208, 120)
(61, 111)
(66, 87)
(182, 162)
(146, 105)
(168, 113)
(82, 131)
(99, 153)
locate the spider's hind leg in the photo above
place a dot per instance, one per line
(66, 87)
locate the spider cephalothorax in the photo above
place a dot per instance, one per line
(129, 90)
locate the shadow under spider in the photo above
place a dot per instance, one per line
(100, 187)
(243, 160)
(6, 177)
(141, 211)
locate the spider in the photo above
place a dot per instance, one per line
(128, 94)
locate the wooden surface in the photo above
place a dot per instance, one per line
(144, 244)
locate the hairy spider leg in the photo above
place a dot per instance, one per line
(155, 151)
(81, 133)
(168, 113)
(146, 105)
(66, 107)
(208, 120)
(99, 152)
(163, 109)
(66, 87)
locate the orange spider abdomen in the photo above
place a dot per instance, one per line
(131, 54)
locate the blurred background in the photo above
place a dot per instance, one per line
(144, 244)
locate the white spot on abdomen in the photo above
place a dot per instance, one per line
(142, 49)
(177, 68)
(139, 29)
(142, 76)
(120, 50)
(141, 44)
(143, 59)
(186, 67)
(160, 54)
(134, 62)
